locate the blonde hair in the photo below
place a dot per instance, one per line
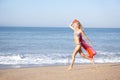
(80, 25)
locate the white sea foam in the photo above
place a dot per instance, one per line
(53, 59)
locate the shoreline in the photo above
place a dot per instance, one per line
(18, 66)
(106, 71)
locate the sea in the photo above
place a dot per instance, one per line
(52, 46)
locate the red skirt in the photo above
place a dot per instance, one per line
(91, 52)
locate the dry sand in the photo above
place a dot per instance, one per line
(79, 72)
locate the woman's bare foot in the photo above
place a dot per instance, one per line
(92, 60)
(69, 68)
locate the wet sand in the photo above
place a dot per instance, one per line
(79, 72)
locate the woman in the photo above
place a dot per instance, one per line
(78, 31)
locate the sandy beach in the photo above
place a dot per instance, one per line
(79, 72)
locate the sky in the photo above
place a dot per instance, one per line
(60, 13)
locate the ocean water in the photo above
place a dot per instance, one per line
(44, 46)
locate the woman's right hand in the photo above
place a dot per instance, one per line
(71, 26)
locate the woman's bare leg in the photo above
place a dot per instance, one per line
(73, 56)
(85, 56)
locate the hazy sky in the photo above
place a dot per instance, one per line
(59, 13)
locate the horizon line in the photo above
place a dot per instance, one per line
(56, 27)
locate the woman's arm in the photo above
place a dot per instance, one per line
(70, 25)
(86, 38)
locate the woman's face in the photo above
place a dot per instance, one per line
(76, 25)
